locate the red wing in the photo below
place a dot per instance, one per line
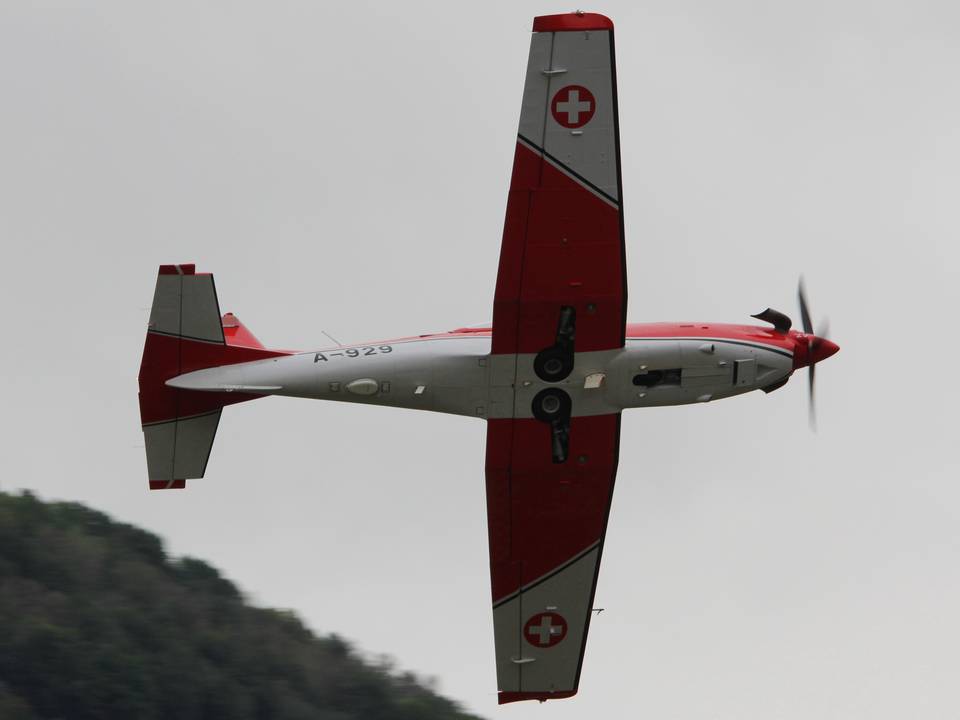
(546, 523)
(561, 288)
(563, 234)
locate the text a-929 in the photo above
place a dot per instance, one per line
(353, 352)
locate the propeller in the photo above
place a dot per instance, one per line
(814, 342)
(818, 346)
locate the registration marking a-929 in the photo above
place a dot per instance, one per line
(353, 352)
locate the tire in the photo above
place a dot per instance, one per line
(553, 364)
(551, 404)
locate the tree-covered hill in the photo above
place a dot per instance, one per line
(97, 622)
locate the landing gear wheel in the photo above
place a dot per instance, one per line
(553, 364)
(551, 405)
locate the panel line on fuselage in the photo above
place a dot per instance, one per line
(703, 338)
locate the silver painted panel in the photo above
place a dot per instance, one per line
(502, 371)
(186, 305)
(459, 376)
(590, 151)
(706, 376)
(702, 373)
(552, 668)
(165, 312)
(599, 401)
(506, 641)
(200, 314)
(178, 450)
(568, 592)
(533, 108)
(746, 372)
(452, 372)
(194, 440)
(159, 441)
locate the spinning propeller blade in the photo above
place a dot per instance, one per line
(804, 308)
(817, 346)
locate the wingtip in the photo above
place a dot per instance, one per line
(572, 21)
(168, 484)
(514, 696)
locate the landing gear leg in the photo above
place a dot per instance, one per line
(555, 363)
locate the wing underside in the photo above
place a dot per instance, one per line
(546, 525)
(561, 290)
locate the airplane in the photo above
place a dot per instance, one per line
(550, 375)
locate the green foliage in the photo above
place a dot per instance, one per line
(97, 623)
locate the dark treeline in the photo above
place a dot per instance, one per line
(97, 622)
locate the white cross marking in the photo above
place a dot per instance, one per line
(573, 107)
(545, 630)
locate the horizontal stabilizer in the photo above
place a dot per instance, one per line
(186, 333)
(179, 449)
(185, 304)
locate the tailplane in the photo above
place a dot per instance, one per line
(187, 333)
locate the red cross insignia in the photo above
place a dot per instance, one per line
(573, 106)
(545, 629)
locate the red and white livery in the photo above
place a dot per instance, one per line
(550, 376)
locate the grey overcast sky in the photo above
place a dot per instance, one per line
(344, 167)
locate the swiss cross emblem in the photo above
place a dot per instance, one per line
(545, 629)
(573, 106)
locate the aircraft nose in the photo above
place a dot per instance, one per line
(822, 349)
(810, 349)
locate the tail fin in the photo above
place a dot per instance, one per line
(235, 333)
(186, 333)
